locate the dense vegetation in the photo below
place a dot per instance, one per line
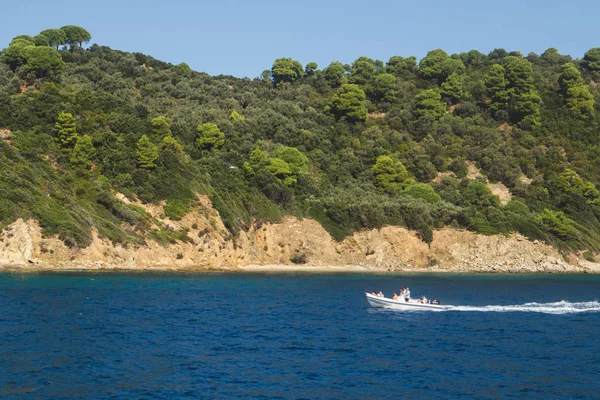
(353, 146)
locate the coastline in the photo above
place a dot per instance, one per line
(283, 268)
(272, 247)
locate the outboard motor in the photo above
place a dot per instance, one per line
(435, 301)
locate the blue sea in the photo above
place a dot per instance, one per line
(295, 336)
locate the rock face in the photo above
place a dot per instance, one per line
(212, 247)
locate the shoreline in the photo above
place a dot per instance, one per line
(282, 268)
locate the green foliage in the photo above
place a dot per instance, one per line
(83, 153)
(43, 62)
(16, 53)
(286, 70)
(75, 35)
(176, 209)
(363, 71)
(429, 104)
(160, 127)
(432, 65)
(578, 98)
(452, 88)
(54, 37)
(556, 223)
(66, 130)
(422, 191)
(402, 68)
(391, 175)
(209, 136)
(183, 70)
(170, 143)
(298, 163)
(348, 103)
(591, 60)
(334, 74)
(343, 145)
(147, 153)
(311, 68)
(236, 116)
(385, 87)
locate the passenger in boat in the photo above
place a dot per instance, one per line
(374, 293)
(395, 297)
(424, 299)
(407, 294)
(380, 294)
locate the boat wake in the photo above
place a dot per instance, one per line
(560, 307)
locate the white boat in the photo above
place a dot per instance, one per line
(384, 302)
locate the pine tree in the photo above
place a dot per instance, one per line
(147, 153)
(66, 130)
(83, 153)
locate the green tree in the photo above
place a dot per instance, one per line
(236, 116)
(400, 67)
(348, 103)
(591, 60)
(496, 85)
(452, 88)
(286, 70)
(432, 65)
(55, 37)
(311, 68)
(15, 54)
(209, 136)
(422, 191)
(391, 175)
(160, 127)
(66, 130)
(257, 161)
(385, 88)
(518, 73)
(147, 153)
(43, 62)
(363, 71)
(556, 223)
(170, 143)
(578, 98)
(580, 102)
(280, 169)
(429, 104)
(527, 108)
(334, 74)
(183, 70)
(75, 35)
(83, 152)
(297, 162)
(569, 77)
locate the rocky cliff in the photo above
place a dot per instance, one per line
(212, 247)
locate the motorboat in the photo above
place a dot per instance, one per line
(402, 304)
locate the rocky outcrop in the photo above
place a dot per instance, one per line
(212, 247)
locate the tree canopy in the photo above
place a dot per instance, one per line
(359, 145)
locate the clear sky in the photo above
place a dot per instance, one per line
(243, 38)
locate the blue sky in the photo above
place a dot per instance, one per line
(244, 38)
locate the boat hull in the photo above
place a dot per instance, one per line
(382, 302)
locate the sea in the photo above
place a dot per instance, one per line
(83, 335)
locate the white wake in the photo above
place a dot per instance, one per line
(560, 307)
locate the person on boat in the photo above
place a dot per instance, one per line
(401, 294)
(407, 294)
(380, 294)
(395, 297)
(374, 293)
(424, 299)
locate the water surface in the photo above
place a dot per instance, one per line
(109, 335)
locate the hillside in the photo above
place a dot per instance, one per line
(92, 138)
